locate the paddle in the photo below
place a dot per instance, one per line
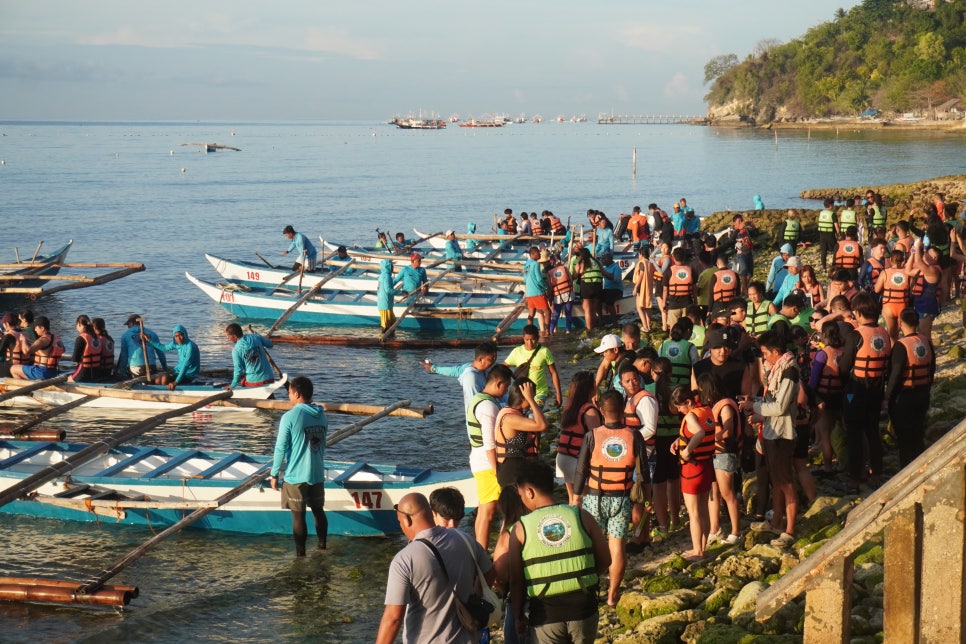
(37, 250)
(309, 293)
(34, 386)
(422, 239)
(144, 348)
(278, 372)
(103, 446)
(508, 320)
(267, 263)
(60, 409)
(388, 332)
(301, 269)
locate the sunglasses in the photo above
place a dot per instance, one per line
(815, 319)
(406, 514)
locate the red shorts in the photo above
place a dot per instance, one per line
(245, 383)
(538, 302)
(697, 476)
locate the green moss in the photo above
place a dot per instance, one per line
(870, 553)
(661, 584)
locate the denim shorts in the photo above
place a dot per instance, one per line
(726, 462)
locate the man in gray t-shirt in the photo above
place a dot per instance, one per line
(419, 594)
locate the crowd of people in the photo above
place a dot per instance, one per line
(786, 379)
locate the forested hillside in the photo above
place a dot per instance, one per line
(891, 55)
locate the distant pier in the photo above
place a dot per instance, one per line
(650, 119)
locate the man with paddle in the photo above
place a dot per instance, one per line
(251, 367)
(300, 445)
(131, 359)
(413, 278)
(303, 248)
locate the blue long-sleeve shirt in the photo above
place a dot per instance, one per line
(250, 361)
(132, 353)
(300, 445)
(605, 241)
(385, 293)
(301, 243)
(776, 274)
(612, 276)
(534, 279)
(189, 357)
(411, 278)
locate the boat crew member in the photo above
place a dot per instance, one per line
(130, 360)
(300, 445)
(401, 245)
(302, 247)
(386, 296)
(413, 278)
(557, 553)
(535, 288)
(426, 578)
(87, 352)
(189, 358)
(249, 358)
(452, 251)
(777, 270)
(44, 352)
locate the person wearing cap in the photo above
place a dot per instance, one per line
(452, 251)
(777, 269)
(130, 360)
(535, 289)
(792, 266)
(790, 230)
(302, 247)
(609, 350)
(189, 358)
(413, 277)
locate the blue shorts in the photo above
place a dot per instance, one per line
(34, 372)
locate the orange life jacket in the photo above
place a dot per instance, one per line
(630, 413)
(560, 282)
(680, 282)
(705, 449)
(830, 380)
(896, 289)
(919, 355)
(107, 352)
(848, 254)
(91, 359)
(612, 461)
(877, 266)
(726, 285)
(510, 225)
(556, 225)
(726, 442)
(872, 356)
(50, 355)
(15, 354)
(572, 437)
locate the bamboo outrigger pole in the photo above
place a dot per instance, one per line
(268, 356)
(33, 386)
(94, 450)
(388, 332)
(509, 319)
(349, 430)
(309, 293)
(60, 409)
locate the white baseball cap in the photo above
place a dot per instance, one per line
(609, 341)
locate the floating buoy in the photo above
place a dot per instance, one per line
(171, 152)
(182, 170)
(116, 155)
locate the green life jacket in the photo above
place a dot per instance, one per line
(826, 221)
(679, 353)
(792, 229)
(592, 273)
(668, 424)
(878, 216)
(697, 336)
(473, 427)
(558, 554)
(756, 321)
(847, 218)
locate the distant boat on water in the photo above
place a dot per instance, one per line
(484, 122)
(420, 124)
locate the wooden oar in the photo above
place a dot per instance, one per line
(267, 263)
(284, 280)
(95, 584)
(60, 409)
(388, 332)
(94, 450)
(33, 386)
(422, 239)
(37, 250)
(301, 269)
(309, 293)
(144, 348)
(268, 356)
(509, 319)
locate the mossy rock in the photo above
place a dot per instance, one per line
(634, 608)
(677, 562)
(719, 634)
(661, 584)
(666, 629)
(765, 551)
(729, 582)
(812, 548)
(870, 553)
(747, 567)
(720, 598)
(956, 352)
(868, 575)
(743, 607)
(827, 532)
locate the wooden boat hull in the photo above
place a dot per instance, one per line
(487, 240)
(45, 265)
(138, 397)
(154, 486)
(441, 312)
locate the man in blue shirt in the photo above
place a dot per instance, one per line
(249, 359)
(189, 358)
(535, 287)
(301, 446)
(131, 358)
(777, 271)
(471, 375)
(413, 278)
(302, 247)
(452, 251)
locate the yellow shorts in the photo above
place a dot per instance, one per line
(487, 487)
(387, 318)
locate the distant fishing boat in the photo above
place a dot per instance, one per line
(491, 122)
(158, 486)
(420, 124)
(16, 277)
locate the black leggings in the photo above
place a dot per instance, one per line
(300, 530)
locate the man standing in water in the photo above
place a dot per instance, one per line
(301, 446)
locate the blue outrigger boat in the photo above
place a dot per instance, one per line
(158, 486)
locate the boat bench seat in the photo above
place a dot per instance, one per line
(173, 463)
(346, 477)
(122, 465)
(224, 463)
(25, 454)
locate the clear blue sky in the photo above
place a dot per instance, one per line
(319, 59)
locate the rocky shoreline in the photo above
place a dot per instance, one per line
(667, 599)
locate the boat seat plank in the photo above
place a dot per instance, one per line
(422, 476)
(73, 491)
(180, 459)
(122, 465)
(25, 454)
(224, 463)
(346, 476)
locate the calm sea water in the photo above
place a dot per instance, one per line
(131, 192)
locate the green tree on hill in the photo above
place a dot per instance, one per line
(886, 54)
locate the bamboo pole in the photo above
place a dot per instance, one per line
(32, 387)
(354, 428)
(388, 332)
(267, 263)
(144, 348)
(60, 409)
(309, 293)
(37, 250)
(93, 450)
(44, 435)
(509, 319)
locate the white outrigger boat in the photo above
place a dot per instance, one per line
(487, 240)
(139, 397)
(158, 486)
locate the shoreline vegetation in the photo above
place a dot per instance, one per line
(845, 123)
(665, 598)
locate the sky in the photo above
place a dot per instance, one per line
(324, 59)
